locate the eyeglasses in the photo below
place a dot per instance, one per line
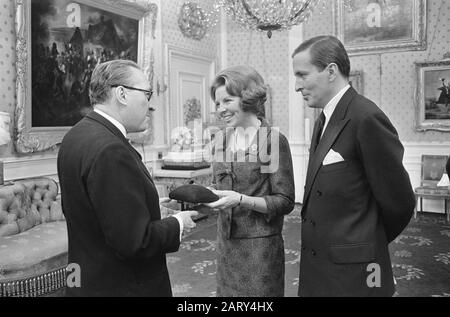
(148, 93)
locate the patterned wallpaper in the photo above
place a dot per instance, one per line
(7, 64)
(172, 34)
(270, 58)
(389, 78)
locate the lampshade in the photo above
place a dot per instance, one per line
(444, 182)
(269, 15)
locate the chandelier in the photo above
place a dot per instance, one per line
(269, 15)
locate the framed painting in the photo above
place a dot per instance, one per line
(367, 26)
(59, 43)
(433, 96)
(356, 80)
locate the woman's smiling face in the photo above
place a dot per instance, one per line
(229, 108)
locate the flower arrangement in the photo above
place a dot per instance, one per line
(181, 139)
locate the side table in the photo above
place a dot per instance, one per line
(433, 192)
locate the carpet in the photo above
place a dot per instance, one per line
(420, 258)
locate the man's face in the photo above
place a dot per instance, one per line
(137, 103)
(312, 83)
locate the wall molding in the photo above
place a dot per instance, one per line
(300, 156)
(413, 156)
(20, 168)
(46, 165)
(223, 39)
(296, 104)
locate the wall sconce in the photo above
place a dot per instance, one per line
(160, 89)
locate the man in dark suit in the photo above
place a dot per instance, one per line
(116, 234)
(358, 196)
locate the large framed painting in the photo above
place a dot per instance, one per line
(368, 26)
(433, 96)
(59, 43)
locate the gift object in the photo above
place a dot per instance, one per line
(194, 194)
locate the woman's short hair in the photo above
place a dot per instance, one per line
(244, 82)
(108, 74)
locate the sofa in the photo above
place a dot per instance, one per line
(33, 239)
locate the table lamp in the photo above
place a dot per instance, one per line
(444, 182)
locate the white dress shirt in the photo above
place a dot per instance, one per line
(331, 106)
(116, 123)
(122, 129)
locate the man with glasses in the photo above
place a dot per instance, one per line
(358, 196)
(116, 234)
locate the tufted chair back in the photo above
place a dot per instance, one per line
(28, 203)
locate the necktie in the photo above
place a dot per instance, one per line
(320, 123)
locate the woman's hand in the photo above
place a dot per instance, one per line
(228, 199)
(164, 200)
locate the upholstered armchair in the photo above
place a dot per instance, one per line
(33, 239)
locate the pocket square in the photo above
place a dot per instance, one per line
(332, 158)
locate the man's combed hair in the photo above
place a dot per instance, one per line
(246, 83)
(106, 75)
(324, 50)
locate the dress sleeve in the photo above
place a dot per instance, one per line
(281, 201)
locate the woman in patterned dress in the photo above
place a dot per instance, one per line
(253, 176)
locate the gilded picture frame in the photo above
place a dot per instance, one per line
(30, 136)
(367, 27)
(432, 100)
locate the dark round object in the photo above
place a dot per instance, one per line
(194, 194)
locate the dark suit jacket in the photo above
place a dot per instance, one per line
(353, 209)
(111, 204)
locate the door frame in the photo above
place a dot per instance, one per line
(172, 51)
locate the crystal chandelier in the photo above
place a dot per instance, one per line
(269, 15)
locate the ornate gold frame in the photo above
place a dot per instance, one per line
(28, 139)
(418, 40)
(422, 123)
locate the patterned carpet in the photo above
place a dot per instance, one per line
(420, 257)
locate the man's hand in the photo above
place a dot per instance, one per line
(166, 212)
(183, 216)
(164, 200)
(186, 217)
